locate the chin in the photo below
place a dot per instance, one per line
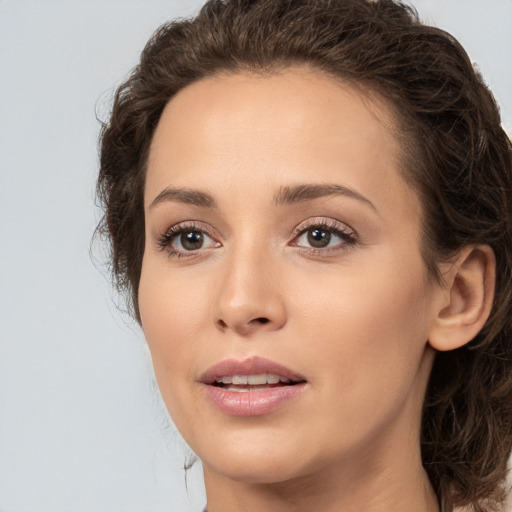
(254, 463)
(257, 473)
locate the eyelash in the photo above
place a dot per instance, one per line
(166, 239)
(347, 236)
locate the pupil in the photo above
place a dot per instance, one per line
(319, 237)
(192, 240)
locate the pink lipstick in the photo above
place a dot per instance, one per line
(251, 387)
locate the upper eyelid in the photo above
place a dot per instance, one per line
(298, 229)
(326, 222)
(164, 238)
(190, 225)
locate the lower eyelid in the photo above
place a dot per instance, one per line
(208, 240)
(347, 236)
(165, 240)
(344, 241)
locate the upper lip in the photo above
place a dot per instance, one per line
(251, 366)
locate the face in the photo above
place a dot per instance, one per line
(283, 293)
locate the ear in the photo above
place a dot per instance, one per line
(467, 294)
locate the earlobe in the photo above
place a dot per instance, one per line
(468, 292)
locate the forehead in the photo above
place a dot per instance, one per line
(263, 131)
(296, 102)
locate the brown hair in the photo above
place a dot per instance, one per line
(456, 156)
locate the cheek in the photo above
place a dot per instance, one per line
(173, 313)
(369, 326)
(369, 301)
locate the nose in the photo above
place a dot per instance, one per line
(250, 298)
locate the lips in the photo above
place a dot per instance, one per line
(251, 387)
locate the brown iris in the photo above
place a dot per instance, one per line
(319, 237)
(192, 240)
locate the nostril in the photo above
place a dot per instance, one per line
(250, 325)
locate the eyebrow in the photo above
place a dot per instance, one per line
(306, 192)
(185, 195)
(285, 195)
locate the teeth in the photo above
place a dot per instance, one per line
(239, 380)
(255, 380)
(252, 380)
(272, 379)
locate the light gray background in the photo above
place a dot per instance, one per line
(82, 427)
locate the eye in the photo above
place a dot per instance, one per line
(317, 238)
(325, 235)
(190, 240)
(182, 240)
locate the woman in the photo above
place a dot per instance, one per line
(310, 205)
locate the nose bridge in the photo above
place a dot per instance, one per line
(248, 296)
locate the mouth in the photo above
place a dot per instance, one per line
(251, 387)
(257, 382)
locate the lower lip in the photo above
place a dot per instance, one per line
(252, 403)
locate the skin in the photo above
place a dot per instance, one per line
(353, 318)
